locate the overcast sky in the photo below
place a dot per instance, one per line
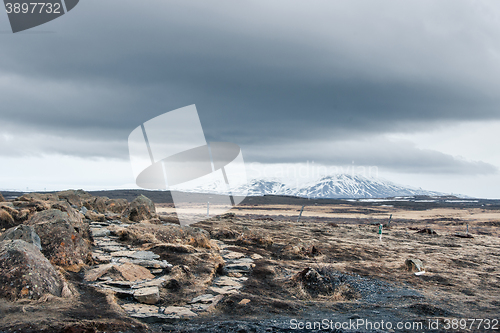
(411, 87)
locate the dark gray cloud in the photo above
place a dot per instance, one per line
(261, 74)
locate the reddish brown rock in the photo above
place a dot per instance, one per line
(119, 272)
(62, 237)
(116, 206)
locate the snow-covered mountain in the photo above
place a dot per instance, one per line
(334, 186)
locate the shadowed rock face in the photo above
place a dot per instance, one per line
(140, 209)
(25, 272)
(62, 237)
(22, 232)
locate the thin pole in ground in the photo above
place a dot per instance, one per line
(300, 215)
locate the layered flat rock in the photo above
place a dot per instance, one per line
(230, 281)
(157, 264)
(148, 295)
(229, 255)
(133, 272)
(243, 267)
(180, 311)
(226, 290)
(137, 255)
(125, 272)
(100, 232)
(205, 302)
(113, 248)
(148, 313)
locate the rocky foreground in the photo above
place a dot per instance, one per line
(73, 262)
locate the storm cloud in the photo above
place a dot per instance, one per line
(288, 81)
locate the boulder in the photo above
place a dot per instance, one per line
(62, 211)
(414, 265)
(116, 205)
(25, 272)
(6, 220)
(99, 204)
(62, 237)
(140, 209)
(38, 197)
(23, 232)
(65, 207)
(2, 199)
(75, 197)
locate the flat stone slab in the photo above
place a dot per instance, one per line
(94, 274)
(149, 295)
(205, 302)
(242, 261)
(148, 313)
(256, 256)
(113, 248)
(146, 263)
(133, 272)
(99, 232)
(105, 241)
(121, 284)
(137, 255)
(205, 298)
(232, 255)
(158, 282)
(105, 259)
(228, 281)
(120, 292)
(126, 253)
(182, 312)
(145, 255)
(239, 267)
(223, 290)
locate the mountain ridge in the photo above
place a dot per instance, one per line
(341, 186)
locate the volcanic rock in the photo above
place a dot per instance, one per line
(23, 232)
(140, 209)
(25, 272)
(62, 237)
